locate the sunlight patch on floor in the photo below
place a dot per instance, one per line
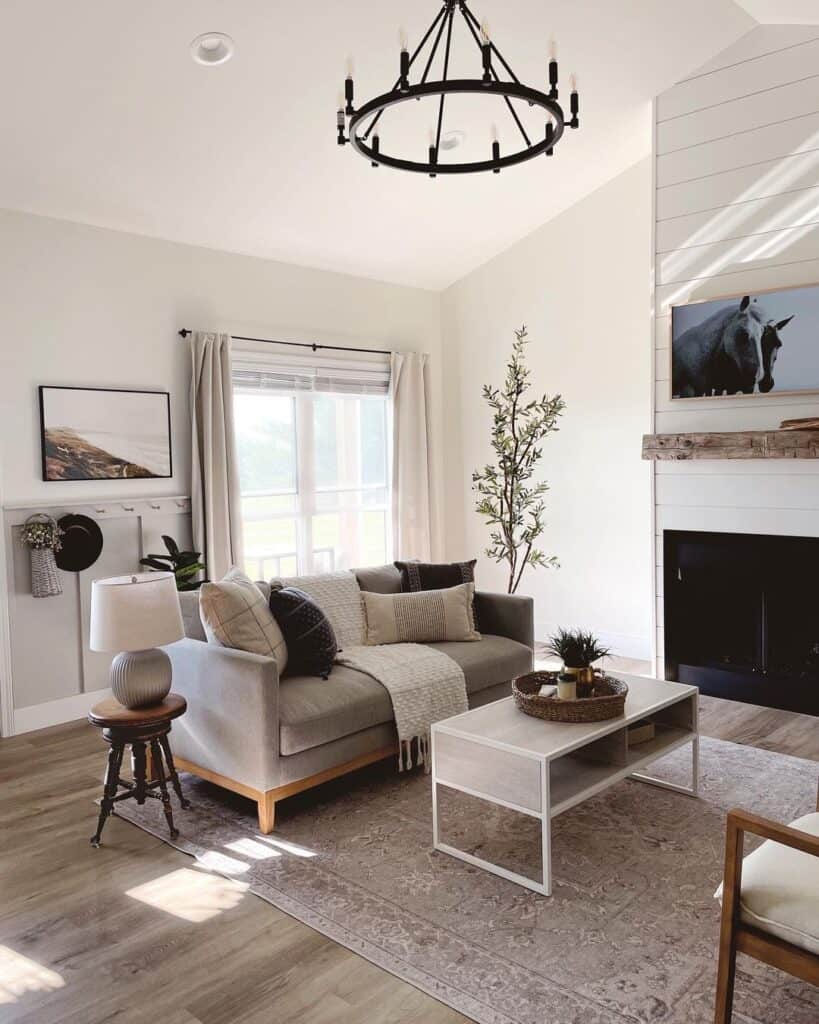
(251, 848)
(281, 844)
(215, 861)
(190, 895)
(19, 975)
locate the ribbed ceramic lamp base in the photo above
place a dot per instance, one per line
(141, 678)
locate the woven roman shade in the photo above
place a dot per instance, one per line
(288, 372)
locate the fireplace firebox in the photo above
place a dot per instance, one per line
(742, 616)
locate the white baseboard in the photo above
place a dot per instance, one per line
(56, 712)
(622, 644)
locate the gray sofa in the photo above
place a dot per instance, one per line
(268, 737)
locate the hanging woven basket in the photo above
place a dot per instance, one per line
(45, 580)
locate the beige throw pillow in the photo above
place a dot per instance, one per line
(424, 617)
(235, 614)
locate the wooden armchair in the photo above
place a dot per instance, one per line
(773, 914)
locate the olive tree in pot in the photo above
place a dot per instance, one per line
(509, 500)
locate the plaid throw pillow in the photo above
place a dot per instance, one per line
(234, 613)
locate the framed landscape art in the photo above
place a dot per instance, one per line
(752, 343)
(105, 434)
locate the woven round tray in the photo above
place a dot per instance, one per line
(597, 701)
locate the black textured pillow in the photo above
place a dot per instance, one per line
(311, 641)
(417, 576)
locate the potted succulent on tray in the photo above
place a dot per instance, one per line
(578, 651)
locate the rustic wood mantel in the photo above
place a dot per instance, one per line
(748, 444)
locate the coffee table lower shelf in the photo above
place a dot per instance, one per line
(542, 783)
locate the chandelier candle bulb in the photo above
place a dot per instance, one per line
(550, 134)
(496, 155)
(486, 52)
(574, 105)
(405, 61)
(376, 145)
(349, 93)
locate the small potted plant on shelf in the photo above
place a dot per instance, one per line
(578, 651)
(185, 565)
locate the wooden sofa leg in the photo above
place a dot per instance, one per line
(267, 813)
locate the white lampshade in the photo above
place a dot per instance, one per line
(135, 613)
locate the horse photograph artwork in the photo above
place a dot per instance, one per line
(751, 344)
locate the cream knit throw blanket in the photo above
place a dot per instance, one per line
(425, 686)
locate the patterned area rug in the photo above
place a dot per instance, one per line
(629, 933)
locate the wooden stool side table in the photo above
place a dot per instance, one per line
(145, 730)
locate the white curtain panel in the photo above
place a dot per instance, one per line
(215, 502)
(410, 456)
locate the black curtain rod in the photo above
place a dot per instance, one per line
(302, 344)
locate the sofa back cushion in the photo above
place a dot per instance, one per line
(339, 597)
(426, 617)
(192, 621)
(235, 614)
(379, 579)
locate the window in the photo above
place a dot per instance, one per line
(312, 441)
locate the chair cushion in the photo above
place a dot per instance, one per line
(780, 890)
(313, 712)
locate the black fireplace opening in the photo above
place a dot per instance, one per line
(742, 616)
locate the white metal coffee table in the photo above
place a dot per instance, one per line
(541, 768)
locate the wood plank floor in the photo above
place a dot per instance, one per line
(75, 948)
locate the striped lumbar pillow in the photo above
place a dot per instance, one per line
(425, 617)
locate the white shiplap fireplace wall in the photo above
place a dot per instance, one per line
(737, 211)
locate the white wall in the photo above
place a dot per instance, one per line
(737, 210)
(87, 306)
(83, 305)
(581, 284)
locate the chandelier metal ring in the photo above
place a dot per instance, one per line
(366, 141)
(507, 90)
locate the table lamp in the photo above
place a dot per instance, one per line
(132, 616)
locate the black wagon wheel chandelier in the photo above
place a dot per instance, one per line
(359, 127)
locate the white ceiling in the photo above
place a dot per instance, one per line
(108, 121)
(783, 12)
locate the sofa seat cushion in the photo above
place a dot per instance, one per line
(780, 890)
(494, 659)
(314, 711)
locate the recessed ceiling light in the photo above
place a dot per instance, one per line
(212, 48)
(453, 139)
